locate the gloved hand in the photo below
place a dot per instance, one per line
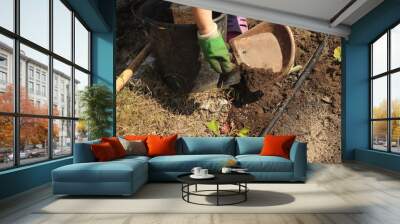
(216, 52)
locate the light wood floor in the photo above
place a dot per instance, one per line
(379, 189)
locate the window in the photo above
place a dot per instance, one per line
(35, 21)
(7, 14)
(6, 74)
(3, 78)
(62, 29)
(44, 91)
(3, 61)
(30, 72)
(38, 89)
(48, 78)
(37, 74)
(30, 87)
(385, 91)
(81, 45)
(3, 71)
(62, 74)
(81, 82)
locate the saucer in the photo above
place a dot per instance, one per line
(208, 176)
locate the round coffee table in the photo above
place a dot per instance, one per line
(238, 179)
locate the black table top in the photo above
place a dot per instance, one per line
(220, 178)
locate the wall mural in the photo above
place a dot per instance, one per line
(270, 79)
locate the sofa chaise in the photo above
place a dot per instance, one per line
(125, 176)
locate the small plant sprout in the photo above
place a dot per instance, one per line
(337, 54)
(213, 126)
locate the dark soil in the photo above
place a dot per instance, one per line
(314, 113)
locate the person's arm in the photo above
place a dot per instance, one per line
(204, 21)
(211, 42)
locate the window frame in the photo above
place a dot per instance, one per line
(16, 114)
(388, 74)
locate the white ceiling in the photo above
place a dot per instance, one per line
(314, 15)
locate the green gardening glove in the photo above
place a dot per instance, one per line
(216, 53)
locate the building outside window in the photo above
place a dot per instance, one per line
(385, 91)
(58, 125)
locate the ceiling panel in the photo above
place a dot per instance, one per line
(315, 15)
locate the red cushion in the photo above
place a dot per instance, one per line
(103, 152)
(136, 137)
(161, 145)
(277, 145)
(116, 145)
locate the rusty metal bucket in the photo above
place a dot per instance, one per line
(266, 46)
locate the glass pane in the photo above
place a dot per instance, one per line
(6, 74)
(81, 82)
(379, 56)
(62, 29)
(395, 94)
(81, 45)
(33, 139)
(379, 135)
(395, 47)
(34, 97)
(62, 89)
(7, 14)
(62, 138)
(81, 131)
(395, 136)
(6, 142)
(379, 97)
(35, 21)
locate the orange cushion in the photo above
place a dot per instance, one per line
(116, 145)
(103, 152)
(277, 145)
(161, 145)
(135, 137)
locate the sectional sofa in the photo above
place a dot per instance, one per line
(125, 176)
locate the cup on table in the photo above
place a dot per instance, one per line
(226, 170)
(203, 172)
(196, 171)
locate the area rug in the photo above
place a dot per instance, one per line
(166, 198)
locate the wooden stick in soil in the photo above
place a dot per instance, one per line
(304, 75)
(125, 75)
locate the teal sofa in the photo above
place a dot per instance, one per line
(125, 176)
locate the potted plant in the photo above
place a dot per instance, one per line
(96, 102)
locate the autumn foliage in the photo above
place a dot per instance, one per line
(33, 131)
(380, 127)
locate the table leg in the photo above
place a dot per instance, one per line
(217, 194)
(188, 189)
(245, 193)
(195, 188)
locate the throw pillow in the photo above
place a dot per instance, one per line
(136, 147)
(103, 152)
(116, 145)
(277, 145)
(135, 137)
(161, 145)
